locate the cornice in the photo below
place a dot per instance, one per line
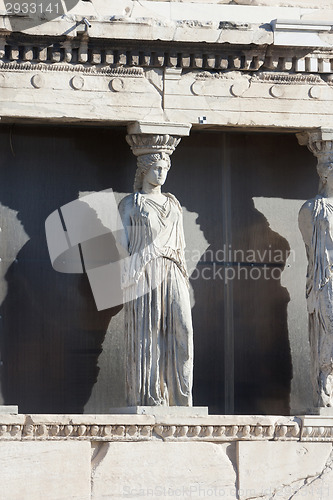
(101, 56)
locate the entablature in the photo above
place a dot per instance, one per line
(207, 73)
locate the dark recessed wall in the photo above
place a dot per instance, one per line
(51, 332)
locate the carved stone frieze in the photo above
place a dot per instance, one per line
(317, 433)
(143, 432)
(262, 76)
(317, 428)
(79, 68)
(287, 78)
(221, 432)
(277, 85)
(213, 428)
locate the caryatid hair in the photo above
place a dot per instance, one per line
(144, 162)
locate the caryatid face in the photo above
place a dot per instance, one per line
(325, 171)
(157, 173)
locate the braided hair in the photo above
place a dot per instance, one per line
(144, 162)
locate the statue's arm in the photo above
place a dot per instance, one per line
(182, 241)
(305, 223)
(124, 211)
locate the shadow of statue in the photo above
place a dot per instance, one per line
(51, 330)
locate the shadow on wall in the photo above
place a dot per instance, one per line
(253, 309)
(51, 331)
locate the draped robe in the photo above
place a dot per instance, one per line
(319, 294)
(158, 323)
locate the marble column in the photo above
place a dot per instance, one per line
(316, 223)
(158, 323)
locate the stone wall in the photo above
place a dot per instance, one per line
(139, 456)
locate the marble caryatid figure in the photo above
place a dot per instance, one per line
(316, 225)
(158, 323)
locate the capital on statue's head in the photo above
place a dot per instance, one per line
(143, 144)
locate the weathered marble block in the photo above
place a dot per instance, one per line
(45, 470)
(156, 469)
(284, 469)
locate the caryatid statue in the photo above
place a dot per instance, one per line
(158, 323)
(316, 225)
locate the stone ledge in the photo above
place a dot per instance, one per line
(145, 28)
(8, 409)
(212, 428)
(126, 427)
(171, 21)
(164, 412)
